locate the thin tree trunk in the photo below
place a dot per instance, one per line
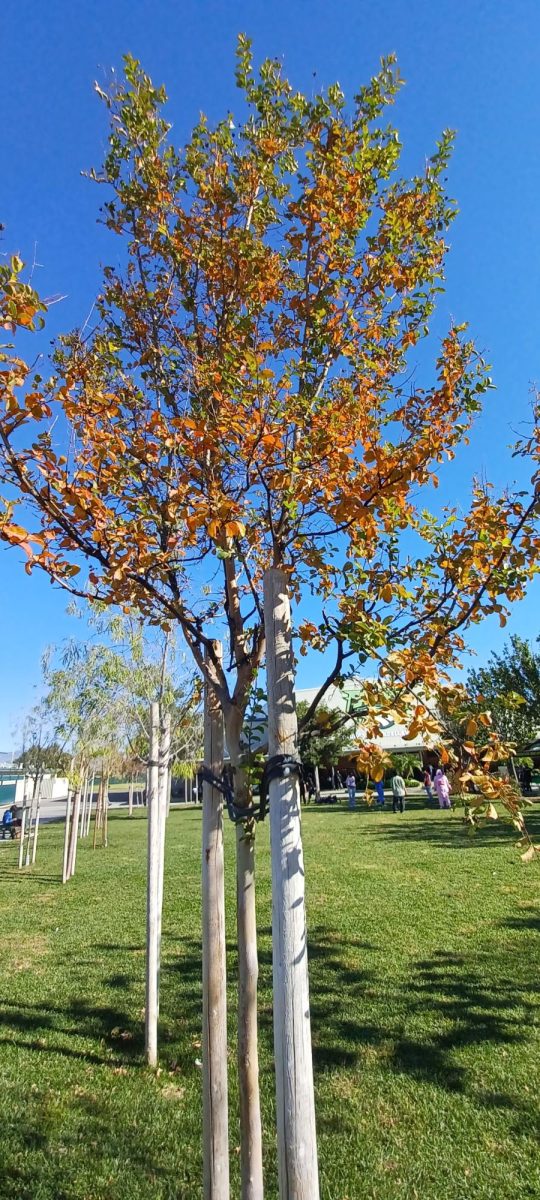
(317, 783)
(66, 838)
(23, 828)
(214, 1042)
(248, 1056)
(295, 1101)
(36, 829)
(251, 1162)
(72, 848)
(130, 798)
(105, 813)
(84, 799)
(152, 929)
(163, 780)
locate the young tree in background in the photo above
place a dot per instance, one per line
(509, 685)
(245, 402)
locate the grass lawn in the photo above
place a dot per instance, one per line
(424, 986)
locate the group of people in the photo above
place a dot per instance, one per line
(435, 781)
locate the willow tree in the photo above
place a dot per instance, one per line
(245, 400)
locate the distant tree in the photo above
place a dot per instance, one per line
(406, 765)
(325, 738)
(52, 759)
(509, 686)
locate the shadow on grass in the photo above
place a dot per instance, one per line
(448, 831)
(49, 1028)
(361, 1014)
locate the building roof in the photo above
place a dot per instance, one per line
(348, 699)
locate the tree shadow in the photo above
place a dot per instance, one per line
(48, 1028)
(448, 831)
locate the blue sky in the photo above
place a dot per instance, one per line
(471, 66)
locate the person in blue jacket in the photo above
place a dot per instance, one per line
(8, 824)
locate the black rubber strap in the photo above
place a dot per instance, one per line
(281, 766)
(238, 813)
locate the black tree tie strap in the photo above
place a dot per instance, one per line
(280, 766)
(238, 813)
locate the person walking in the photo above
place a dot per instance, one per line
(442, 788)
(350, 784)
(379, 788)
(428, 784)
(398, 792)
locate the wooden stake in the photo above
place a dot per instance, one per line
(90, 800)
(83, 805)
(214, 1040)
(251, 1160)
(66, 837)
(152, 923)
(36, 828)
(295, 1101)
(21, 844)
(105, 813)
(163, 781)
(72, 850)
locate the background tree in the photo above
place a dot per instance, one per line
(324, 738)
(509, 685)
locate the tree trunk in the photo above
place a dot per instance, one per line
(295, 1101)
(72, 849)
(163, 781)
(130, 798)
(21, 844)
(84, 801)
(36, 828)
(31, 820)
(152, 895)
(317, 783)
(105, 813)
(89, 800)
(97, 811)
(66, 837)
(251, 1164)
(214, 1041)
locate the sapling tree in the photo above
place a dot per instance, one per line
(244, 403)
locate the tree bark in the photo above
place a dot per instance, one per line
(36, 829)
(152, 895)
(163, 781)
(66, 838)
(295, 1100)
(214, 1041)
(317, 783)
(89, 806)
(251, 1162)
(72, 850)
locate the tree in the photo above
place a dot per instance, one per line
(51, 758)
(324, 738)
(509, 685)
(244, 402)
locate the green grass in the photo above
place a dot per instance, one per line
(424, 986)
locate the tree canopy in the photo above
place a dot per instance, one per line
(247, 394)
(509, 685)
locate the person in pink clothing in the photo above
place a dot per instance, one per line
(442, 788)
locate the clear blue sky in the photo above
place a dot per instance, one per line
(471, 66)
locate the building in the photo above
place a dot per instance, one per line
(349, 699)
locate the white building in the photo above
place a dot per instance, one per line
(348, 699)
